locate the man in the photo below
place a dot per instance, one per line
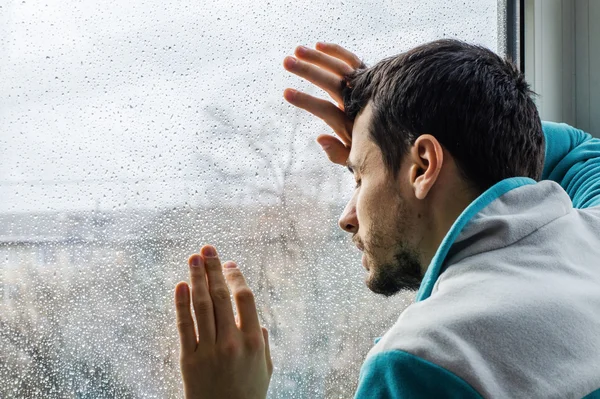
(446, 146)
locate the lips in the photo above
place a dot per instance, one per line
(360, 247)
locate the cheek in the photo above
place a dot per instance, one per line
(362, 205)
(368, 205)
(383, 217)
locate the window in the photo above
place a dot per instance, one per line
(135, 131)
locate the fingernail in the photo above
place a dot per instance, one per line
(290, 94)
(182, 291)
(292, 61)
(229, 265)
(325, 147)
(302, 49)
(197, 261)
(209, 251)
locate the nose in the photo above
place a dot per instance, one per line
(349, 221)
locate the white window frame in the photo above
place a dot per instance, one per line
(562, 60)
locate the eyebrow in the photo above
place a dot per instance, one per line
(351, 167)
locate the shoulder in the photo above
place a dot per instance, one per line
(490, 324)
(399, 374)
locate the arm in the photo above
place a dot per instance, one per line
(573, 161)
(397, 374)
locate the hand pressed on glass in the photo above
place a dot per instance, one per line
(326, 67)
(222, 358)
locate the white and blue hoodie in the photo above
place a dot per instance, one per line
(510, 304)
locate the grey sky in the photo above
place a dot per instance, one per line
(98, 95)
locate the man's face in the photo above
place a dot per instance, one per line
(382, 216)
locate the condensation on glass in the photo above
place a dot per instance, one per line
(133, 132)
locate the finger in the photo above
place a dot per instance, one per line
(224, 322)
(326, 61)
(203, 304)
(328, 112)
(267, 351)
(327, 81)
(185, 323)
(341, 53)
(244, 298)
(336, 151)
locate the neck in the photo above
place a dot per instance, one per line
(446, 206)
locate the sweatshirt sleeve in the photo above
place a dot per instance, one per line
(573, 161)
(397, 374)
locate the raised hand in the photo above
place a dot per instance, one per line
(220, 358)
(326, 66)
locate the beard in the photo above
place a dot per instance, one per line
(404, 271)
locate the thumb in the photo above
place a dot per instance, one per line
(336, 151)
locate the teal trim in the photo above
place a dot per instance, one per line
(593, 395)
(560, 140)
(435, 267)
(397, 374)
(573, 161)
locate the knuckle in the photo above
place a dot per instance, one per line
(202, 306)
(213, 264)
(220, 294)
(301, 101)
(184, 324)
(234, 273)
(302, 66)
(230, 348)
(244, 295)
(347, 69)
(255, 342)
(181, 304)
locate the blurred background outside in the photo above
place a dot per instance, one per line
(134, 132)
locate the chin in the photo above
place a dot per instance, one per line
(389, 279)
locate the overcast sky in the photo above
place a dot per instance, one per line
(102, 103)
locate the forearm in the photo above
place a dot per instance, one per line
(573, 161)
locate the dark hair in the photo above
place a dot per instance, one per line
(477, 105)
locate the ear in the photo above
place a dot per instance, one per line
(427, 158)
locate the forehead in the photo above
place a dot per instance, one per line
(361, 144)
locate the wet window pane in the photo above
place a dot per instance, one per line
(133, 132)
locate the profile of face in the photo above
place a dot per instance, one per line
(384, 215)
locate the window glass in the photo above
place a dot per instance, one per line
(131, 133)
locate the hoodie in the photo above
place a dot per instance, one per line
(510, 304)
